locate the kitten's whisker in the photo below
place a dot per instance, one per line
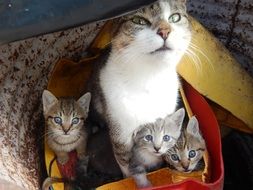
(47, 133)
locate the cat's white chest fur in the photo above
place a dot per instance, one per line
(138, 94)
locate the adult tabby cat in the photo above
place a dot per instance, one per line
(135, 80)
(187, 154)
(151, 141)
(65, 119)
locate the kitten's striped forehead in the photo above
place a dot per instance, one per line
(151, 128)
(157, 126)
(67, 106)
(187, 141)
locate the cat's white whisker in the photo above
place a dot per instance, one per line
(196, 48)
(191, 55)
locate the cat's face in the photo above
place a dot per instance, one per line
(65, 117)
(189, 149)
(161, 135)
(160, 30)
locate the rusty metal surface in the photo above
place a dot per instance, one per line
(25, 67)
(231, 21)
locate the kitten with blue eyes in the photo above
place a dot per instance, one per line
(134, 81)
(65, 124)
(187, 154)
(151, 141)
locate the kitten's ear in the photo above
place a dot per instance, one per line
(137, 131)
(193, 126)
(178, 117)
(84, 102)
(48, 99)
(135, 134)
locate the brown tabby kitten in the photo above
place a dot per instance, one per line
(65, 118)
(187, 154)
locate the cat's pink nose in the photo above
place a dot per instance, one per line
(163, 32)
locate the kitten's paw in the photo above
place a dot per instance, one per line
(144, 185)
(63, 159)
(142, 181)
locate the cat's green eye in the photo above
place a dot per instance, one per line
(140, 20)
(174, 157)
(58, 120)
(148, 138)
(166, 138)
(192, 154)
(75, 121)
(174, 18)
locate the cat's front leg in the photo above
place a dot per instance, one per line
(62, 157)
(138, 172)
(142, 181)
(122, 156)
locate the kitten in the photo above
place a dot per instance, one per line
(151, 141)
(135, 81)
(65, 120)
(187, 154)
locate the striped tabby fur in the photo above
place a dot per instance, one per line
(187, 154)
(65, 119)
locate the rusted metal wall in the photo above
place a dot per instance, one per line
(232, 22)
(25, 67)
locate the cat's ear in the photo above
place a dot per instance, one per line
(183, 4)
(193, 126)
(178, 117)
(84, 102)
(48, 99)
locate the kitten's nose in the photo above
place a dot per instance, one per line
(157, 148)
(66, 130)
(185, 166)
(164, 32)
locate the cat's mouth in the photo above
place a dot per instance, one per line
(187, 171)
(157, 153)
(161, 49)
